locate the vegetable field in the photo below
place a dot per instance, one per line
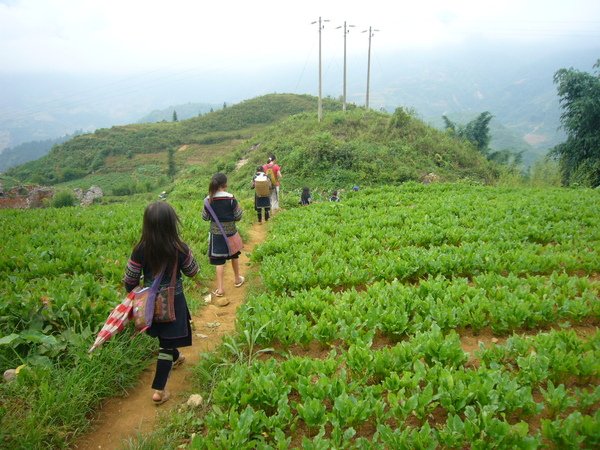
(61, 273)
(449, 316)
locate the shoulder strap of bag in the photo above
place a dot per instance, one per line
(214, 216)
(156, 282)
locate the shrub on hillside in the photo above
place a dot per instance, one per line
(121, 190)
(62, 199)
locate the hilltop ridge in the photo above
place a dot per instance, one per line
(346, 147)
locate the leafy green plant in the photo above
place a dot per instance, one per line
(62, 199)
(557, 398)
(243, 351)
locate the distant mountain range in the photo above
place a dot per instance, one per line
(29, 151)
(514, 84)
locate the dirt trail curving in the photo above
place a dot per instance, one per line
(122, 418)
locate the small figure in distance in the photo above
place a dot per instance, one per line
(334, 197)
(161, 248)
(273, 171)
(305, 198)
(355, 188)
(262, 193)
(162, 195)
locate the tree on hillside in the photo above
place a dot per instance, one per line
(579, 156)
(477, 131)
(175, 116)
(171, 169)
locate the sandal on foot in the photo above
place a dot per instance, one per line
(241, 282)
(164, 396)
(216, 293)
(179, 361)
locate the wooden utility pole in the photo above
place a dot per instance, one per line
(369, 68)
(320, 101)
(371, 34)
(346, 31)
(320, 106)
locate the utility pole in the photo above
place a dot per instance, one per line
(371, 34)
(345, 33)
(320, 102)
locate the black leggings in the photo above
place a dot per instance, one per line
(259, 214)
(164, 363)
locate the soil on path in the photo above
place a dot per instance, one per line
(122, 418)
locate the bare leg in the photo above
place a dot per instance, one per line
(220, 272)
(235, 263)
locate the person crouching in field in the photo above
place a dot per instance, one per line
(305, 198)
(262, 194)
(160, 249)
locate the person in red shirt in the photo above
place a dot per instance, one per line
(275, 169)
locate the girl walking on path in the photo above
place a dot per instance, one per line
(161, 249)
(228, 211)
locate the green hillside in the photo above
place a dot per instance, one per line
(361, 148)
(148, 144)
(346, 148)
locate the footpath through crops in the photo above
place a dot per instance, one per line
(361, 337)
(358, 340)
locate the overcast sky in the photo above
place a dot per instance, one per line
(127, 36)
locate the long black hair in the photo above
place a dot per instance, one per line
(218, 181)
(160, 239)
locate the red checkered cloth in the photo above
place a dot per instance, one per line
(117, 319)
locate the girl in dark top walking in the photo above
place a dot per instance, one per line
(305, 198)
(228, 212)
(160, 249)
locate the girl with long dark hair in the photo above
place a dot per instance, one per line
(161, 249)
(228, 211)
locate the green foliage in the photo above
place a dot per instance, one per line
(28, 151)
(396, 276)
(579, 156)
(364, 148)
(48, 404)
(88, 153)
(476, 131)
(63, 198)
(400, 118)
(545, 173)
(171, 170)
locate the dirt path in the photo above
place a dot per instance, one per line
(125, 417)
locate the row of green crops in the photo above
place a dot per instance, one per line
(416, 394)
(356, 340)
(420, 231)
(61, 274)
(503, 304)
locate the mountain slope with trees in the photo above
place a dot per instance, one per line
(91, 153)
(359, 147)
(28, 151)
(346, 148)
